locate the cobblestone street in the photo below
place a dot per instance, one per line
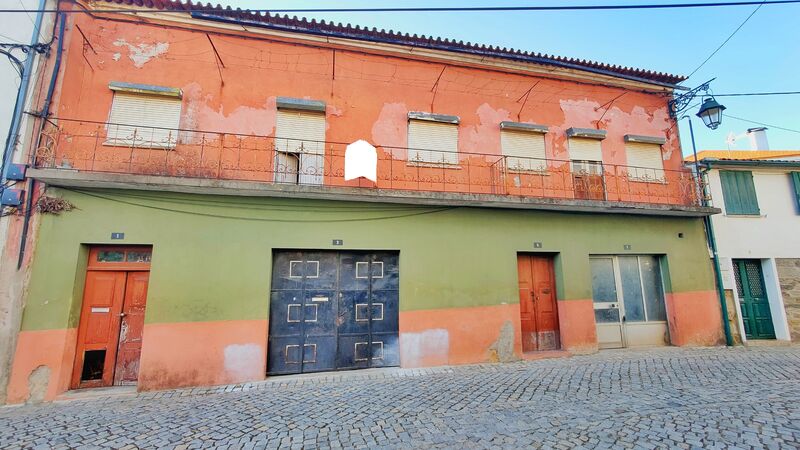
(709, 398)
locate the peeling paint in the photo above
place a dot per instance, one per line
(243, 361)
(424, 348)
(503, 348)
(391, 128)
(484, 137)
(140, 54)
(201, 115)
(116, 56)
(38, 381)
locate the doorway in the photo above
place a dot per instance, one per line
(628, 298)
(537, 303)
(333, 311)
(753, 301)
(112, 317)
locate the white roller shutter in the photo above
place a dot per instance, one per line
(432, 142)
(524, 150)
(300, 131)
(303, 133)
(144, 120)
(581, 149)
(645, 161)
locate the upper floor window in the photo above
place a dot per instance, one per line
(300, 141)
(432, 138)
(144, 116)
(645, 162)
(796, 184)
(739, 193)
(523, 146)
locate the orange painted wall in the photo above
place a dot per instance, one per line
(455, 336)
(368, 97)
(53, 349)
(578, 330)
(695, 318)
(202, 353)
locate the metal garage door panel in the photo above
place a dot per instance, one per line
(385, 350)
(385, 272)
(354, 352)
(353, 312)
(333, 311)
(285, 355)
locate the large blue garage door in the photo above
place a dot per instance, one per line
(333, 311)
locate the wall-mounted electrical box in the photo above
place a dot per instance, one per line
(12, 197)
(16, 172)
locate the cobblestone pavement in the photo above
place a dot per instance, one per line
(709, 398)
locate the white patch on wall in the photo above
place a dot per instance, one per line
(116, 56)
(140, 54)
(415, 348)
(243, 361)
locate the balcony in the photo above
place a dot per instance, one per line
(111, 155)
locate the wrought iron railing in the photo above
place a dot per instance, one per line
(104, 147)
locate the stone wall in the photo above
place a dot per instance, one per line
(789, 278)
(733, 316)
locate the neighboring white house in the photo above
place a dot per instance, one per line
(758, 238)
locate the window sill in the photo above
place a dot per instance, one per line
(436, 165)
(646, 180)
(542, 172)
(141, 145)
(746, 216)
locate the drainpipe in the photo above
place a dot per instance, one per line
(712, 242)
(43, 117)
(22, 94)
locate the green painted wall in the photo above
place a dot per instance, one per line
(209, 267)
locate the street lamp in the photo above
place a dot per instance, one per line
(711, 113)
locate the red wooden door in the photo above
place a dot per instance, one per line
(98, 330)
(131, 328)
(538, 308)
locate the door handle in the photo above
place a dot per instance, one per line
(122, 314)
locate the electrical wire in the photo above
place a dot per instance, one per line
(267, 206)
(762, 124)
(725, 41)
(257, 219)
(427, 8)
(758, 93)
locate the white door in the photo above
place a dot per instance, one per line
(628, 297)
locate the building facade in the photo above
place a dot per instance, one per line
(197, 228)
(758, 244)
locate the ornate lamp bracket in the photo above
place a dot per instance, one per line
(680, 102)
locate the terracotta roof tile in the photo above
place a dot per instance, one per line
(741, 155)
(304, 25)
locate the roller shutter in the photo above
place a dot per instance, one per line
(143, 120)
(524, 150)
(432, 142)
(644, 161)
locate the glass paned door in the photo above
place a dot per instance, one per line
(605, 297)
(628, 297)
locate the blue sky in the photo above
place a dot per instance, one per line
(763, 56)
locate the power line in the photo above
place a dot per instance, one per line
(429, 9)
(762, 124)
(758, 93)
(257, 219)
(725, 41)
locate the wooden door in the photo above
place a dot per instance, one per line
(98, 331)
(753, 301)
(587, 180)
(538, 307)
(132, 325)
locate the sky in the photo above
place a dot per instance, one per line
(763, 56)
